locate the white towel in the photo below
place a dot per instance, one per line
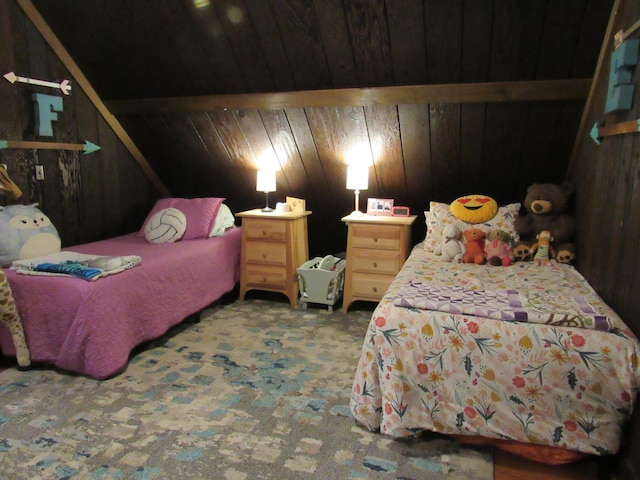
(108, 265)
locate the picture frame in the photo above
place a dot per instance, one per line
(379, 206)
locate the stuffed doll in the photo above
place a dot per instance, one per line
(542, 250)
(451, 247)
(473, 246)
(497, 248)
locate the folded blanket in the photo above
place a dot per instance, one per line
(69, 263)
(70, 268)
(510, 305)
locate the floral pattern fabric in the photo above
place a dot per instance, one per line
(557, 385)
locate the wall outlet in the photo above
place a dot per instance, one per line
(39, 172)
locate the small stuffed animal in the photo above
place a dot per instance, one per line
(497, 248)
(451, 247)
(522, 252)
(474, 246)
(566, 253)
(542, 250)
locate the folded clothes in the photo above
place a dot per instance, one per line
(106, 263)
(70, 268)
(84, 265)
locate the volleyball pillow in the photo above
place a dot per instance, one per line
(200, 213)
(165, 226)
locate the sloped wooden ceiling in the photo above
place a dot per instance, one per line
(500, 88)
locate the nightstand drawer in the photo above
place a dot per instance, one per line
(266, 277)
(267, 253)
(268, 230)
(375, 261)
(371, 286)
(382, 237)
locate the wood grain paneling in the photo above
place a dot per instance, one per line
(606, 178)
(87, 197)
(387, 174)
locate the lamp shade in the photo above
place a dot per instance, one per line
(357, 177)
(266, 181)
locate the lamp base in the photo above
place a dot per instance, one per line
(357, 213)
(266, 203)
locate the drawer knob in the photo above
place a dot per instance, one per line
(264, 233)
(375, 289)
(264, 279)
(264, 256)
(375, 240)
(375, 264)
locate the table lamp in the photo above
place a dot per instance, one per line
(357, 179)
(266, 182)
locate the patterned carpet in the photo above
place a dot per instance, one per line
(254, 391)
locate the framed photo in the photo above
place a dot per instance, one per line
(379, 206)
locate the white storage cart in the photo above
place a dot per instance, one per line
(321, 280)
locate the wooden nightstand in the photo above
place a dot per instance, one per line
(377, 247)
(274, 245)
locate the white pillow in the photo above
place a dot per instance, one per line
(165, 226)
(224, 220)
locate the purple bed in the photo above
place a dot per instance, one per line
(90, 327)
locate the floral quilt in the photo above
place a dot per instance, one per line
(563, 382)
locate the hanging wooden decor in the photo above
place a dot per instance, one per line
(46, 108)
(597, 132)
(86, 147)
(64, 85)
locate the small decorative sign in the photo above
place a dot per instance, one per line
(46, 107)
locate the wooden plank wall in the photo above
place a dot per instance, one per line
(421, 150)
(418, 153)
(87, 197)
(607, 210)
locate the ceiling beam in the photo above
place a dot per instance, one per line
(523, 91)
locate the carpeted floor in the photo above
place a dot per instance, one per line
(254, 391)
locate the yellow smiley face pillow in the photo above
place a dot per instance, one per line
(474, 208)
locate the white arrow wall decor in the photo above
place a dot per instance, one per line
(64, 85)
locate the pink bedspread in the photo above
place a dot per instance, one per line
(91, 327)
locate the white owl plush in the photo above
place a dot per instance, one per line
(25, 232)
